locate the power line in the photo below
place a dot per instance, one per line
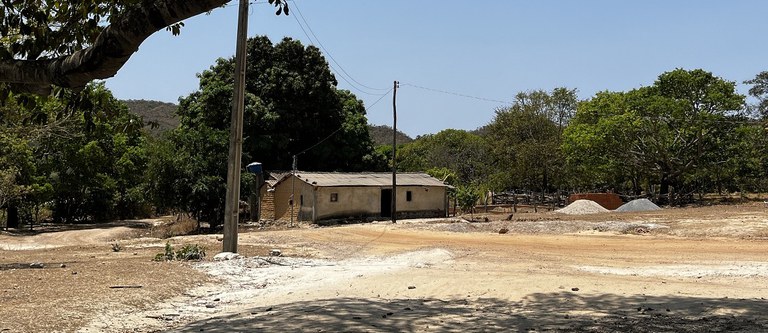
(342, 126)
(457, 94)
(296, 6)
(351, 81)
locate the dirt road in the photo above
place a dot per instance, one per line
(419, 278)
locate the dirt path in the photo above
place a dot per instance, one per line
(382, 278)
(699, 271)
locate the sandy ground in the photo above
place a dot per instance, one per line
(679, 270)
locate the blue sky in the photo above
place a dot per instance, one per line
(488, 49)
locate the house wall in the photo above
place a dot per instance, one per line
(267, 206)
(426, 201)
(353, 201)
(282, 198)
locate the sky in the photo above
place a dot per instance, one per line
(459, 61)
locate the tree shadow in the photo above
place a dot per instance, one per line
(57, 227)
(558, 312)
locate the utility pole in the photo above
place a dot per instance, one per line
(394, 152)
(293, 188)
(232, 204)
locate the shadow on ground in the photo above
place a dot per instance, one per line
(559, 312)
(59, 227)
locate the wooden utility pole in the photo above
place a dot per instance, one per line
(232, 204)
(293, 188)
(394, 152)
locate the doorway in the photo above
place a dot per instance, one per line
(386, 202)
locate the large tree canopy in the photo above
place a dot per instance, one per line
(70, 43)
(292, 107)
(525, 138)
(665, 134)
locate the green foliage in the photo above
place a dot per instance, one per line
(50, 28)
(678, 133)
(292, 106)
(460, 153)
(185, 253)
(526, 138)
(759, 91)
(467, 197)
(81, 155)
(190, 252)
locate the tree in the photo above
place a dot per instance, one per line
(70, 43)
(292, 107)
(666, 133)
(525, 138)
(464, 154)
(467, 197)
(759, 90)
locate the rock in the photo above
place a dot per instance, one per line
(275, 252)
(503, 230)
(574, 289)
(411, 287)
(63, 265)
(74, 273)
(226, 256)
(210, 306)
(36, 265)
(216, 299)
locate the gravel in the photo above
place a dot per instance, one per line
(582, 207)
(638, 205)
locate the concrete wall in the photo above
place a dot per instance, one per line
(314, 203)
(425, 201)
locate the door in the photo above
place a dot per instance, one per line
(386, 202)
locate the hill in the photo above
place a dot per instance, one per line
(161, 113)
(382, 135)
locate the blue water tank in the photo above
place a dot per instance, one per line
(254, 167)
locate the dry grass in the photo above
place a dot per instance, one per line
(173, 226)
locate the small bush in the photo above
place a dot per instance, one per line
(190, 252)
(187, 252)
(116, 247)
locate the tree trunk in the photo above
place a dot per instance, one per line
(109, 51)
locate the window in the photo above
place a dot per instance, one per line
(408, 196)
(334, 197)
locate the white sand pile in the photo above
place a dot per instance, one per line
(638, 205)
(582, 207)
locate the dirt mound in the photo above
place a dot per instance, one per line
(638, 205)
(582, 207)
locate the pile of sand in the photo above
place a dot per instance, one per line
(582, 207)
(638, 205)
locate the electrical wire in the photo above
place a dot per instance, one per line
(342, 73)
(342, 126)
(296, 7)
(457, 94)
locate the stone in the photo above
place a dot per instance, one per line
(411, 287)
(63, 265)
(226, 256)
(574, 289)
(275, 253)
(36, 265)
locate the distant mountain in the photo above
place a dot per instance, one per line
(161, 113)
(382, 135)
